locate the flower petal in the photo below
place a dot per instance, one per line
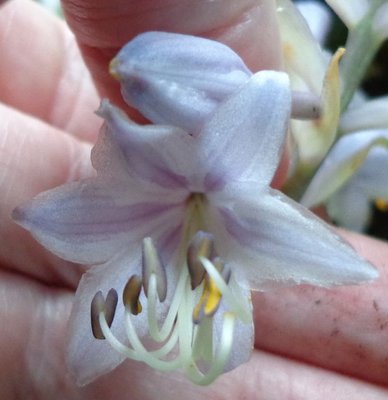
(350, 207)
(299, 45)
(87, 357)
(244, 138)
(318, 18)
(380, 21)
(350, 12)
(90, 221)
(177, 79)
(371, 114)
(344, 159)
(157, 154)
(282, 243)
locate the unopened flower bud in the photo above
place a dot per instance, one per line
(177, 79)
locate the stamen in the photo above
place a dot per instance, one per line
(152, 264)
(149, 357)
(211, 296)
(131, 295)
(186, 338)
(220, 360)
(235, 303)
(101, 306)
(305, 106)
(202, 245)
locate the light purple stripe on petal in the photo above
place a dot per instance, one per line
(145, 148)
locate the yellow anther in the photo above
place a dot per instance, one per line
(213, 298)
(381, 205)
(209, 301)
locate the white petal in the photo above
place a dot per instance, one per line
(351, 205)
(277, 242)
(317, 17)
(380, 21)
(299, 45)
(244, 139)
(372, 176)
(87, 357)
(371, 114)
(344, 159)
(351, 12)
(350, 208)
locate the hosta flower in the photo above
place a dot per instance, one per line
(179, 227)
(352, 177)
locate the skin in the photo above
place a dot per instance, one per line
(311, 343)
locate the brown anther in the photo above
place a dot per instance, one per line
(107, 307)
(131, 295)
(152, 264)
(201, 245)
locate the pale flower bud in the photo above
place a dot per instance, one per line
(177, 79)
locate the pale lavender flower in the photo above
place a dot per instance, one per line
(182, 225)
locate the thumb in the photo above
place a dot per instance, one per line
(102, 27)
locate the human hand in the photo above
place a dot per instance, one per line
(47, 128)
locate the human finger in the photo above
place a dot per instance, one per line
(34, 157)
(103, 27)
(42, 71)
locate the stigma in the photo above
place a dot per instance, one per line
(196, 333)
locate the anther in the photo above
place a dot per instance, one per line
(209, 302)
(131, 295)
(201, 245)
(152, 264)
(305, 106)
(107, 307)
